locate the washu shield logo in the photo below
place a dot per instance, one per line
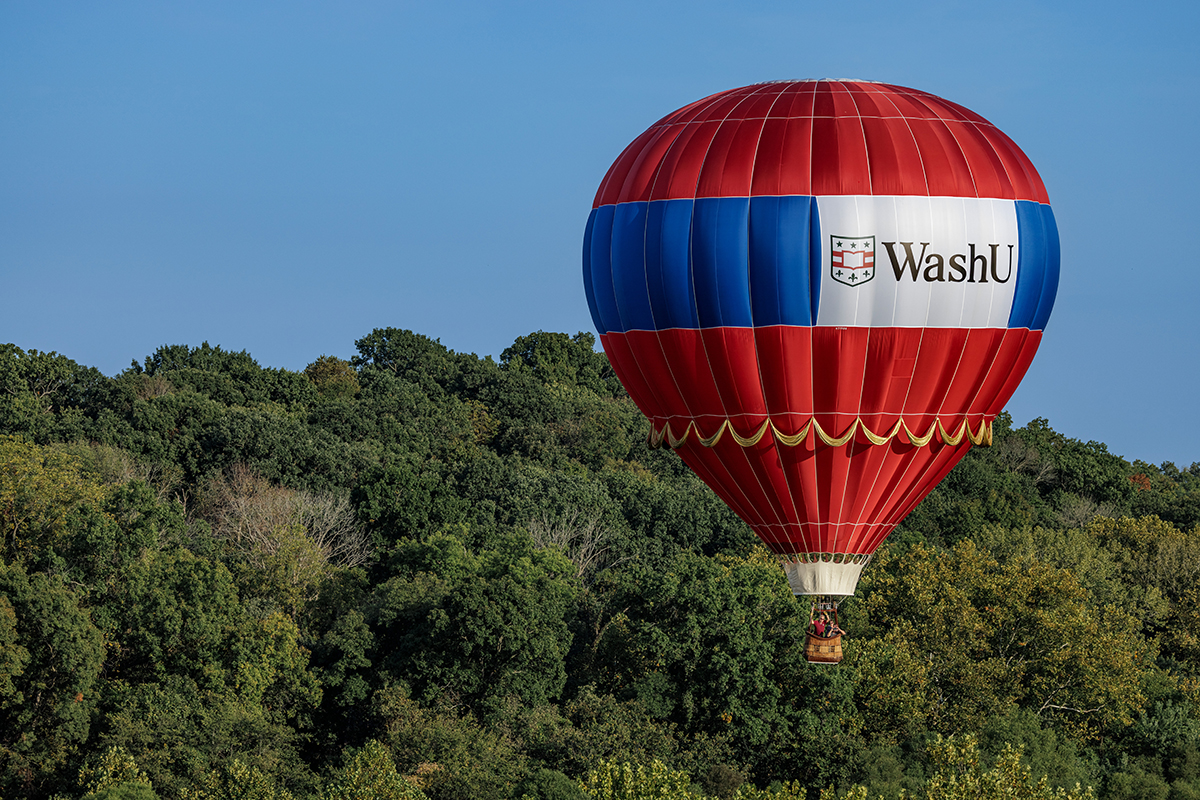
(852, 259)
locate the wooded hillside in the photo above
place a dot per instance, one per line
(423, 573)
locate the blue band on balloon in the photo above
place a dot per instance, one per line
(598, 271)
(668, 256)
(749, 262)
(588, 289)
(1037, 266)
(720, 261)
(785, 235)
(703, 263)
(629, 267)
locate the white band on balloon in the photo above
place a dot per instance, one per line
(916, 262)
(822, 577)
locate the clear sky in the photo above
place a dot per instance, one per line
(283, 177)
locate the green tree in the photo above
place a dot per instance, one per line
(591, 727)
(370, 774)
(558, 358)
(402, 501)
(892, 685)
(196, 680)
(180, 734)
(130, 790)
(445, 751)
(707, 645)
(406, 355)
(42, 394)
(549, 784)
(482, 626)
(53, 667)
(1049, 753)
(13, 656)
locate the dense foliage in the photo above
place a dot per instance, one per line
(420, 573)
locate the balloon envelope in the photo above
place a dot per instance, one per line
(821, 293)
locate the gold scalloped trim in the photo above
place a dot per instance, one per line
(982, 437)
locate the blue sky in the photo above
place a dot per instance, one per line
(285, 177)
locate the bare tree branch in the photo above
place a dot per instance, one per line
(584, 540)
(248, 510)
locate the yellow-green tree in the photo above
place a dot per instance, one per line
(610, 780)
(236, 781)
(960, 774)
(370, 774)
(114, 767)
(40, 488)
(974, 637)
(333, 377)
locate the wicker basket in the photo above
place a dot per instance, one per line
(822, 649)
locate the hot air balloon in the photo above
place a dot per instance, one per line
(821, 293)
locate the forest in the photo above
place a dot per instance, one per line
(424, 574)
